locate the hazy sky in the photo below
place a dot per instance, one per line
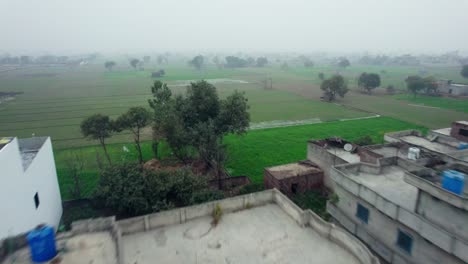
(233, 25)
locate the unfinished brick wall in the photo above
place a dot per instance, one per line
(296, 184)
(459, 131)
(368, 156)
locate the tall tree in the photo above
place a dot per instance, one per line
(98, 127)
(134, 63)
(321, 76)
(135, 119)
(369, 81)
(415, 84)
(430, 84)
(334, 86)
(161, 103)
(464, 71)
(197, 62)
(344, 62)
(109, 65)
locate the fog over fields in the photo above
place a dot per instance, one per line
(242, 25)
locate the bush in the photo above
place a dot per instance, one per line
(312, 200)
(364, 141)
(130, 190)
(251, 188)
(217, 214)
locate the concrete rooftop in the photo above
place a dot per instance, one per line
(390, 184)
(292, 170)
(425, 143)
(345, 155)
(96, 248)
(264, 234)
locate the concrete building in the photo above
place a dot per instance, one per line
(451, 88)
(263, 227)
(294, 178)
(29, 190)
(394, 201)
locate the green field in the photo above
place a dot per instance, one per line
(247, 155)
(56, 99)
(460, 105)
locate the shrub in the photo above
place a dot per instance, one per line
(364, 141)
(251, 188)
(217, 214)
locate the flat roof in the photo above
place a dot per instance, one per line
(29, 147)
(444, 131)
(292, 170)
(425, 143)
(345, 155)
(462, 122)
(264, 234)
(86, 248)
(390, 184)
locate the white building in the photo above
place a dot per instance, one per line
(29, 190)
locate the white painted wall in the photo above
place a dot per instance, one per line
(18, 187)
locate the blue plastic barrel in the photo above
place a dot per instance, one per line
(453, 181)
(42, 244)
(463, 146)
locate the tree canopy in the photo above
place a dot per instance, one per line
(464, 71)
(415, 84)
(134, 63)
(344, 62)
(98, 127)
(197, 62)
(334, 86)
(109, 65)
(369, 81)
(135, 119)
(235, 62)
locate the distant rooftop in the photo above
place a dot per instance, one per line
(426, 143)
(293, 170)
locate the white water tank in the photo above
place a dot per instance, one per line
(413, 153)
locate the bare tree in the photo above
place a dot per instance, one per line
(75, 163)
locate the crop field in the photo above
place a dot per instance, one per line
(460, 105)
(56, 99)
(247, 155)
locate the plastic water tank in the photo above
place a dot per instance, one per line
(413, 153)
(453, 181)
(42, 244)
(463, 146)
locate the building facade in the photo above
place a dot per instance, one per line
(29, 190)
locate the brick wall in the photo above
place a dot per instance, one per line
(459, 131)
(311, 181)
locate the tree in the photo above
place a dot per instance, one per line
(109, 65)
(369, 81)
(98, 127)
(197, 62)
(430, 85)
(134, 63)
(343, 62)
(235, 62)
(334, 86)
(200, 120)
(308, 63)
(161, 105)
(464, 71)
(135, 119)
(75, 164)
(321, 76)
(262, 61)
(415, 84)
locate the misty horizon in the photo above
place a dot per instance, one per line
(228, 26)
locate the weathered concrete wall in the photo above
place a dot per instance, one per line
(310, 181)
(367, 156)
(383, 240)
(325, 160)
(395, 136)
(449, 217)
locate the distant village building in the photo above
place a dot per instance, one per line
(29, 190)
(451, 88)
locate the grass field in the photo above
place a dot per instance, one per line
(249, 154)
(460, 105)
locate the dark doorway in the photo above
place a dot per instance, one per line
(294, 187)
